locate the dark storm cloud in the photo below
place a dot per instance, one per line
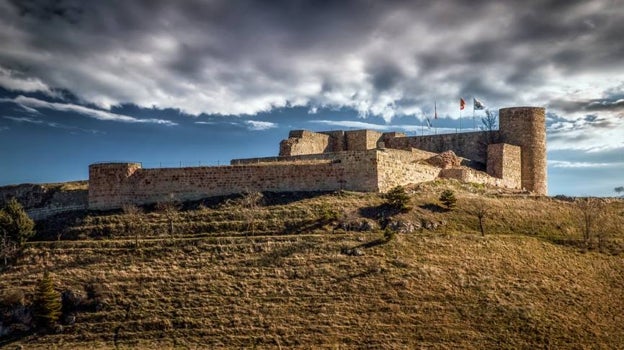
(382, 58)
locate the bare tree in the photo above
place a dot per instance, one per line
(489, 125)
(490, 121)
(8, 248)
(250, 203)
(170, 209)
(481, 211)
(591, 210)
(134, 221)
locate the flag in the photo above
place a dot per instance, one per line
(478, 105)
(462, 104)
(428, 122)
(435, 109)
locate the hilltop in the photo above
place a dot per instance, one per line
(318, 270)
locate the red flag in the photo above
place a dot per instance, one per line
(462, 104)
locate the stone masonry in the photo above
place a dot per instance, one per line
(361, 160)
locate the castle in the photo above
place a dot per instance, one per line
(362, 160)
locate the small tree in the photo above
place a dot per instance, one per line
(397, 198)
(19, 227)
(16, 227)
(47, 302)
(448, 199)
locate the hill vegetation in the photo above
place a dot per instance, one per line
(497, 270)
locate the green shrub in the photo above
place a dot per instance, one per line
(47, 302)
(448, 199)
(398, 199)
(389, 234)
(15, 224)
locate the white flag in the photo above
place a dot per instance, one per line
(478, 105)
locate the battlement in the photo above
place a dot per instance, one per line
(358, 160)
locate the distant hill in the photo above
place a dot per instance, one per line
(331, 270)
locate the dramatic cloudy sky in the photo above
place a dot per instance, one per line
(201, 82)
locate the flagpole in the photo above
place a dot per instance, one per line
(435, 113)
(474, 123)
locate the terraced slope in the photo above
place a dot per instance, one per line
(290, 284)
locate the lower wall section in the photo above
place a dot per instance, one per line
(354, 171)
(475, 176)
(400, 168)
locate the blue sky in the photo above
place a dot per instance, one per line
(201, 82)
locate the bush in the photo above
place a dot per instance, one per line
(397, 198)
(12, 297)
(47, 302)
(448, 199)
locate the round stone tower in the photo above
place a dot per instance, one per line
(526, 127)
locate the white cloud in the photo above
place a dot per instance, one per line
(418, 129)
(587, 133)
(259, 125)
(33, 103)
(13, 81)
(29, 120)
(572, 164)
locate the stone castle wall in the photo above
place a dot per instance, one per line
(302, 142)
(117, 184)
(305, 142)
(397, 167)
(471, 145)
(361, 160)
(524, 127)
(505, 162)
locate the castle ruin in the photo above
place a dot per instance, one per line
(362, 160)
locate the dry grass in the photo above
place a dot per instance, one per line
(448, 288)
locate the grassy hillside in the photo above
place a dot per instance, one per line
(316, 272)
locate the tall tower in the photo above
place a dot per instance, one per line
(526, 127)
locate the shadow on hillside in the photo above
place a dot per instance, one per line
(268, 199)
(7, 340)
(378, 212)
(275, 256)
(57, 226)
(435, 208)
(608, 246)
